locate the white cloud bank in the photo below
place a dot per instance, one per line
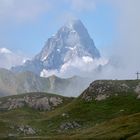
(77, 66)
(9, 59)
(126, 48)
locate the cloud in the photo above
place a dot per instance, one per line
(125, 50)
(22, 10)
(82, 5)
(124, 61)
(28, 10)
(9, 59)
(77, 66)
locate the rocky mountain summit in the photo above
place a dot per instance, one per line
(71, 43)
(103, 89)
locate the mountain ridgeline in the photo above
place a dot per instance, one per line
(24, 82)
(71, 42)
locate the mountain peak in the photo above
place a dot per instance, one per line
(73, 23)
(70, 44)
(74, 27)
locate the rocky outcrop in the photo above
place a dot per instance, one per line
(103, 89)
(26, 130)
(69, 125)
(35, 101)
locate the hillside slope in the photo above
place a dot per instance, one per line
(11, 84)
(116, 117)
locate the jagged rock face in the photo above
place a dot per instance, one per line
(38, 102)
(72, 41)
(102, 89)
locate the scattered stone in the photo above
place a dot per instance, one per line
(16, 103)
(121, 110)
(69, 125)
(88, 98)
(138, 97)
(12, 135)
(125, 85)
(55, 101)
(65, 115)
(26, 130)
(137, 89)
(101, 97)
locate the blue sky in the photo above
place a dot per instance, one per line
(25, 25)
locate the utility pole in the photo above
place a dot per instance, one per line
(137, 75)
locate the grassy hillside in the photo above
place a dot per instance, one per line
(124, 127)
(116, 117)
(90, 116)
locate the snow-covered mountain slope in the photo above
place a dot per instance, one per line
(9, 59)
(70, 49)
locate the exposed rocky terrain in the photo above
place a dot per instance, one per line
(37, 101)
(103, 89)
(69, 125)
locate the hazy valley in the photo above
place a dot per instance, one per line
(25, 82)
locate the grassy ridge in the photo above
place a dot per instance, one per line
(115, 117)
